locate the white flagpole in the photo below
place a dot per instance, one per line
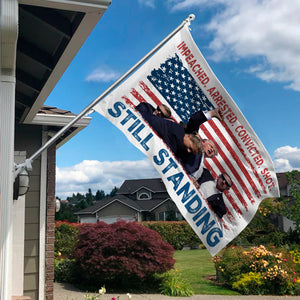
(27, 164)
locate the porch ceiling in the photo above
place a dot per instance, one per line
(50, 35)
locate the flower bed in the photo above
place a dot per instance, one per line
(257, 271)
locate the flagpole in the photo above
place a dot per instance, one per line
(27, 164)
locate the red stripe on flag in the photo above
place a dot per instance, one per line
(128, 101)
(137, 95)
(229, 197)
(232, 168)
(246, 157)
(236, 158)
(147, 90)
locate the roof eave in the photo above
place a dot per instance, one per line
(93, 9)
(59, 120)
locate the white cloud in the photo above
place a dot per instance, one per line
(287, 158)
(267, 31)
(99, 175)
(148, 3)
(184, 4)
(103, 74)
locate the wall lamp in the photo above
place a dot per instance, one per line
(21, 183)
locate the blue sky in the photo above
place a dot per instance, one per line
(253, 47)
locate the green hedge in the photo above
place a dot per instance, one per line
(66, 237)
(177, 233)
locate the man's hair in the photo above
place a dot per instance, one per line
(168, 111)
(196, 139)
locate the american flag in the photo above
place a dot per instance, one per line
(169, 78)
(172, 84)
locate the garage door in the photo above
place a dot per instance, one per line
(113, 219)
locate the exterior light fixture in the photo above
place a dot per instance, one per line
(21, 184)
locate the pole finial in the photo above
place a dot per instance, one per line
(191, 17)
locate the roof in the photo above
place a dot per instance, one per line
(51, 110)
(133, 185)
(138, 205)
(50, 35)
(56, 118)
(282, 179)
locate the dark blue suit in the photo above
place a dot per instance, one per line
(173, 134)
(216, 201)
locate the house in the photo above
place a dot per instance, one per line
(39, 39)
(285, 191)
(148, 200)
(136, 200)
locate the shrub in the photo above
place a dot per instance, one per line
(173, 285)
(249, 283)
(275, 267)
(178, 234)
(65, 239)
(64, 270)
(121, 254)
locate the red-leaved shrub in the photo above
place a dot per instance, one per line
(121, 253)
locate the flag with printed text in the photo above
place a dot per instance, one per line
(178, 75)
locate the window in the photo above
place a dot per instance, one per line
(170, 215)
(144, 195)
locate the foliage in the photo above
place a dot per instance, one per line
(292, 238)
(261, 229)
(121, 254)
(176, 233)
(172, 284)
(249, 283)
(79, 201)
(276, 268)
(292, 207)
(65, 239)
(101, 292)
(64, 270)
(196, 267)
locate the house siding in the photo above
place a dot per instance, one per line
(29, 137)
(117, 210)
(167, 206)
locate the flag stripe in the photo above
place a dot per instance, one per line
(147, 90)
(237, 160)
(230, 199)
(232, 169)
(137, 95)
(246, 158)
(128, 101)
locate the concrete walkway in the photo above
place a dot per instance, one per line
(64, 291)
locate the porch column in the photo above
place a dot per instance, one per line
(9, 34)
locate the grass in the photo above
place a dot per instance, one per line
(194, 266)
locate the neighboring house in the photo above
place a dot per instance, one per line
(148, 200)
(285, 191)
(136, 200)
(39, 39)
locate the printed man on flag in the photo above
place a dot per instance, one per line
(190, 150)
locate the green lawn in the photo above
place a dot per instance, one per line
(194, 266)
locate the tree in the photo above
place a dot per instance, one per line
(99, 195)
(292, 205)
(113, 192)
(89, 197)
